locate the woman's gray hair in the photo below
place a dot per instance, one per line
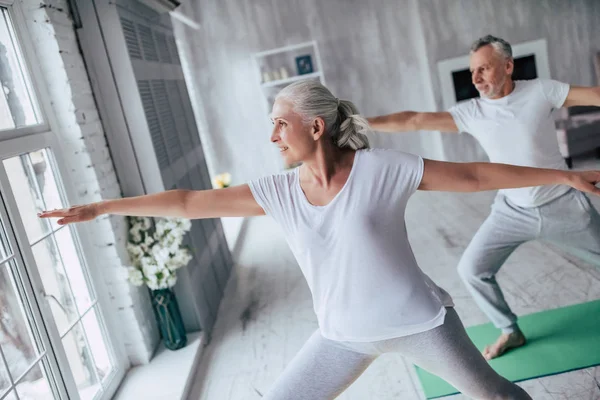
(343, 124)
(501, 46)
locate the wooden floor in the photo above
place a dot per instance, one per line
(267, 313)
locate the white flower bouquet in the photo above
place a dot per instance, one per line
(157, 252)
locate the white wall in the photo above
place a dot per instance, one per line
(372, 54)
(382, 54)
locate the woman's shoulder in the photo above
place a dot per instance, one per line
(398, 168)
(385, 156)
(279, 181)
(286, 177)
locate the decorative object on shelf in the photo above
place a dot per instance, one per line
(222, 181)
(157, 252)
(304, 64)
(266, 76)
(284, 73)
(169, 319)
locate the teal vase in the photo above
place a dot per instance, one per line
(169, 319)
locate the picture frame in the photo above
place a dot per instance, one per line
(304, 64)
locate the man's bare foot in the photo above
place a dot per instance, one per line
(505, 342)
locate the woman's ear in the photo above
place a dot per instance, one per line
(318, 128)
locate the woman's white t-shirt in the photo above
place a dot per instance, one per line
(354, 252)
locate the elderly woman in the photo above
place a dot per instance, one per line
(340, 211)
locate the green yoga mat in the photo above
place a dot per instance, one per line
(559, 340)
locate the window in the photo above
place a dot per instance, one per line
(53, 336)
(74, 308)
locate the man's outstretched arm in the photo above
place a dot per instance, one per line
(583, 96)
(410, 121)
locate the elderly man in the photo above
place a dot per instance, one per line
(512, 120)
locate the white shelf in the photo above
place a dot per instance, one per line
(286, 81)
(284, 49)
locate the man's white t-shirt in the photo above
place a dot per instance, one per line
(354, 252)
(519, 129)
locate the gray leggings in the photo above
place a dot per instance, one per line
(324, 368)
(570, 222)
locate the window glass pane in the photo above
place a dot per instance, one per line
(102, 361)
(44, 175)
(81, 362)
(11, 396)
(74, 269)
(16, 339)
(4, 379)
(34, 186)
(56, 284)
(34, 385)
(18, 105)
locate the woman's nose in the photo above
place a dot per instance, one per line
(274, 135)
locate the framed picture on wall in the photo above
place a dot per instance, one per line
(304, 64)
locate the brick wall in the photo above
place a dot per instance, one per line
(91, 171)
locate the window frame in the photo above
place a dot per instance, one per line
(30, 278)
(18, 141)
(89, 253)
(33, 71)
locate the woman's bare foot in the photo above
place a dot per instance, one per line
(505, 342)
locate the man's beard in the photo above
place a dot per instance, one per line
(494, 90)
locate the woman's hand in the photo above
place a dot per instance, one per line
(585, 181)
(73, 214)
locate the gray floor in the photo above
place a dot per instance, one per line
(267, 315)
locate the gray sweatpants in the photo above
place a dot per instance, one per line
(569, 221)
(324, 368)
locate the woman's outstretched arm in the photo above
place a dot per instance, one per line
(236, 201)
(481, 176)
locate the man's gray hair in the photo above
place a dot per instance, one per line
(501, 46)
